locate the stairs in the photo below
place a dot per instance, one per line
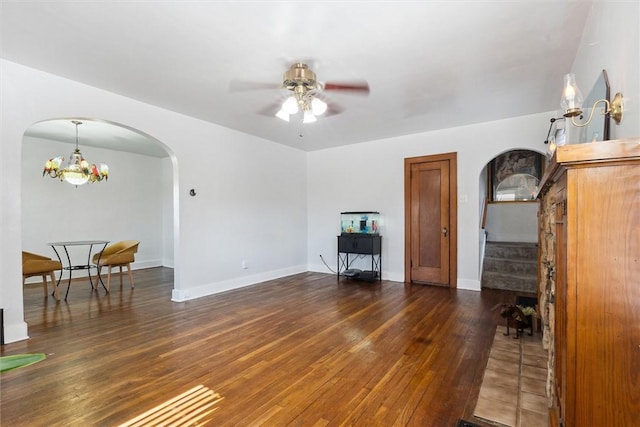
(510, 266)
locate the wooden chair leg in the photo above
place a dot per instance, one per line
(109, 280)
(130, 276)
(45, 285)
(120, 275)
(53, 285)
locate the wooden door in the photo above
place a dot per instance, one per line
(430, 219)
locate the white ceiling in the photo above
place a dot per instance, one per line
(430, 64)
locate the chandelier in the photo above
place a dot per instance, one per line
(77, 171)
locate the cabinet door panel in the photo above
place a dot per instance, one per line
(608, 295)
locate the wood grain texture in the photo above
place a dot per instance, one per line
(301, 350)
(597, 298)
(439, 268)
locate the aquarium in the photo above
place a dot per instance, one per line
(360, 222)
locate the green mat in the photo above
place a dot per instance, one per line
(8, 363)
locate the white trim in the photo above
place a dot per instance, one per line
(15, 331)
(181, 295)
(469, 284)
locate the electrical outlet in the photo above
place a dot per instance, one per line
(245, 265)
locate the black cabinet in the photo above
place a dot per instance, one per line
(352, 246)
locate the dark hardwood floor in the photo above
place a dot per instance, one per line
(304, 350)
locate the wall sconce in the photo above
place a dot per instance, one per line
(572, 99)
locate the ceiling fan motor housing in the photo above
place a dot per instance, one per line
(300, 75)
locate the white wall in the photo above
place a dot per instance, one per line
(512, 222)
(127, 206)
(251, 193)
(167, 212)
(370, 176)
(611, 41)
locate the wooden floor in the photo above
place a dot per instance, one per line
(304, 350)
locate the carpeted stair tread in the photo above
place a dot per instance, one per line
(510, 275)
(510, 265)
(524, 251)
(513, 282)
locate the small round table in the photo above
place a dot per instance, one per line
(71, 267)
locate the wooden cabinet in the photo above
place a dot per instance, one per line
(589, 282)
(360, 245)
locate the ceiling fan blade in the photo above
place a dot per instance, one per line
(270, 110)
(361, 87)
(332, 110)
(243, 86)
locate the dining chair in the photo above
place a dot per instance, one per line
(119, 254)
(40, 265)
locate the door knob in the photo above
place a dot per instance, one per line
(444, 231)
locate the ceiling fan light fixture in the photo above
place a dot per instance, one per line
(282, 115)
(318, 106)
(290, 105)
(305, 100)
(309, 117)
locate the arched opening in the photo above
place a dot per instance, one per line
(509, 223)
(137, 201)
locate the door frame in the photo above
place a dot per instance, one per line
(453, 213)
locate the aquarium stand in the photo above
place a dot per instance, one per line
(351, 246)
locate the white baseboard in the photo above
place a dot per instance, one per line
(15, 331)
(469, 284)
(180, 295)
(138, 265)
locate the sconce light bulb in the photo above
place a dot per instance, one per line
(571, 102)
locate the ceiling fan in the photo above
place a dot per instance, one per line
(307, 93)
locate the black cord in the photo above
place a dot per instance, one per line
(327, 265)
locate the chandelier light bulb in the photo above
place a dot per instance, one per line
(104, 170)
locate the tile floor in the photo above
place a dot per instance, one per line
(513, 391)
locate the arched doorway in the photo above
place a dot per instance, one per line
(510, 220)
(136, 202)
